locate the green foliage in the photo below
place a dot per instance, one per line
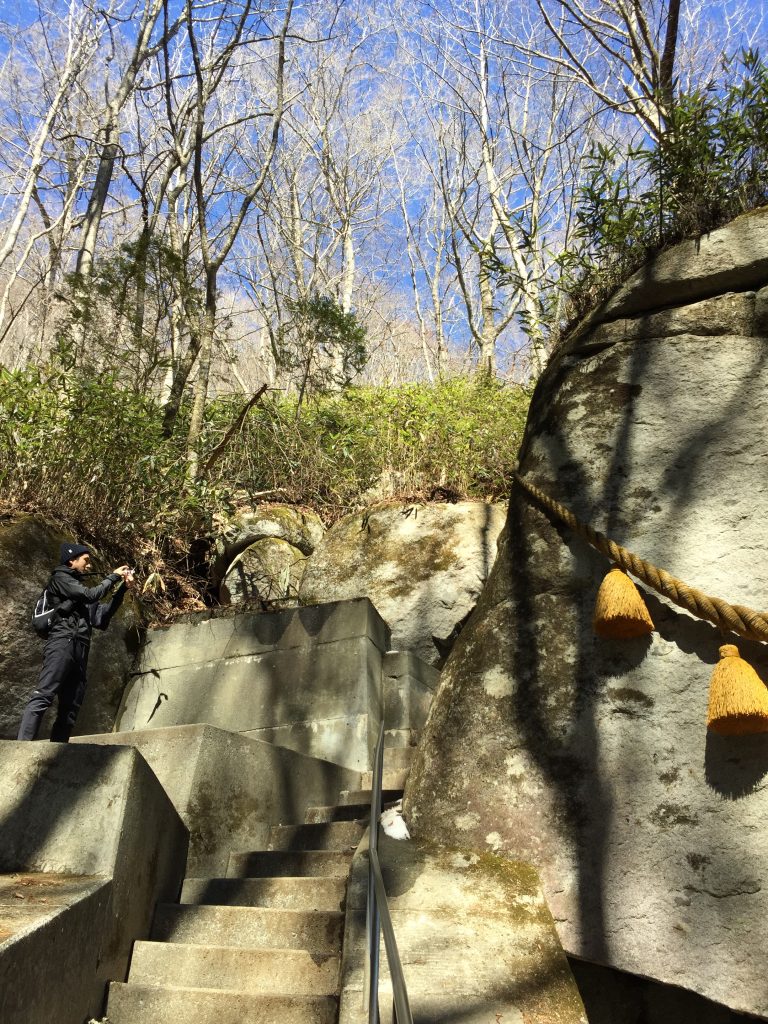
(323, 346)
(119, 316)
(80, 445)
(461, 435)
(710, 165)
(83, 449)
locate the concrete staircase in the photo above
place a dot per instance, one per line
(264, 943)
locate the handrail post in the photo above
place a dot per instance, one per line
(373, 919)
(378, 916)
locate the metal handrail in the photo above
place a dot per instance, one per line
(378, 917)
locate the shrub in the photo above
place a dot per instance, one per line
(461, 435)
(82, 449)
(710, 165)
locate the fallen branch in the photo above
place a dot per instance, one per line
(234, 428)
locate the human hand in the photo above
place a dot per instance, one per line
(122, 570)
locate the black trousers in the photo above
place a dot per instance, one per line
(63, 675)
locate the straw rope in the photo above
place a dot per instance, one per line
(745, 621)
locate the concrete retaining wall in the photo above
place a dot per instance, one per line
(82, 810)
(307, 678)
(408, 685)
(229, 789)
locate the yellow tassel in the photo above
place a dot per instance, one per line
(738, 698)
(620, 611)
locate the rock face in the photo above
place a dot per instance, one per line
(590, 758)
(475, 936)
(267, 573)
(300, 528)
(422, 566)
(28, 551)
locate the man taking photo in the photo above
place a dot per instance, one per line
(65, 658)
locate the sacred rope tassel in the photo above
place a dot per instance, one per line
(620, 611)
(738, 698)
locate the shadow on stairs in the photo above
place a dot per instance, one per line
(263, 944)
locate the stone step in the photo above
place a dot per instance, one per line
(392, 778)
(154, 1004)
(337, 812)
(360, 797)
(258, 971)
(280, 863)
(280, 893)
(248, 927)
(333, 835)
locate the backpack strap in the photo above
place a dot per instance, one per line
(63, 605)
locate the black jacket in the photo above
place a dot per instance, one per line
(86, 609)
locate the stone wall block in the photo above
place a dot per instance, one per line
(98, 817)
(308, 678)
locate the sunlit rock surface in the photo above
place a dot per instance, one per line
(266, 575)
(422, 566)
(589, 758)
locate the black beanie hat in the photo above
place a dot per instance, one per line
(69, 551)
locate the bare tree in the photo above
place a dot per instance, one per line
(327, 201)
(649, 47)
(212, 56)
(498, 130)
(140, 53)
(71, 41)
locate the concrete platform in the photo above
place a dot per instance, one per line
(282, 893)
(338, 812)
(228, 789)
(277, 863)
(358, 797)
(333, 835)
(48, 924)
(89, 842)
(30, 899)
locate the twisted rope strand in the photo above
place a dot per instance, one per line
(734, 617)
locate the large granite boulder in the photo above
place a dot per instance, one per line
(28, 551)
(422, 566)
(299, 527)
(590, 758)
(267, 574)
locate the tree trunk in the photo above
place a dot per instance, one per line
(203, 374)
(667, 62)
(97, 201)
(488, 334)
